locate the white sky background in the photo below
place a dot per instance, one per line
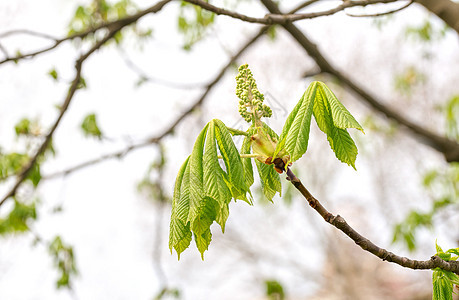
(112, 226)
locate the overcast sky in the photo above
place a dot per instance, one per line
(113, 227)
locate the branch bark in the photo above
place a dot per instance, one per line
(364, 243)
(446, 10)
(279, 18)
(449, 148)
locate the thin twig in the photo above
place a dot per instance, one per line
(448, 147)
(28, 32)
(364, 243)
(110, 26)
(304, 5)
(383, 13)
(278, 18)
(147, 78)
(74, 86)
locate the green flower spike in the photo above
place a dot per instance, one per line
(251, 106)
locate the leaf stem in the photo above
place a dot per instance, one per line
(237, 131)
(243, 156)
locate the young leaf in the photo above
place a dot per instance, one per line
(247, 162)
(442, 286)
(90, 127)
(295, 134)
(342, 118)
(344, 147)
(180, 233)
(214, 184)
(270, 181)
(332, 118)
(197, 177)
(201, 224)
(233, 162)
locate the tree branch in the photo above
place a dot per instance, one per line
(446, 10)
(28, 32)
(156, 139)
(74, 86)
(364, 243)
(278, 18)
(111, 26)
(383, 13)
(449, 148)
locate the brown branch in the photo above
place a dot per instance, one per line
(446, 10)
(383, 13)
(111, 26)
(156, 139)
(74, 86)
(278, 18)
(364, 243)
(449, 148)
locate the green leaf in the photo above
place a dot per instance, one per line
(296, 129)
(201, 224)
(342, 118)
(90, 127)
(343, 146)
(288, 124)
(53, 74)
(453, 251)
(274, 290)
(23, 127)
(270, 181)
(35, 175)
(180, 233)
(233, 162)
(64, 260)
(214, 184)
(18, 219)
(454, 278)
(332, 118)
(247, 162)
(438, 248)
(196, 177)
(442, 286)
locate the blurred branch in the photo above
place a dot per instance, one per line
(446, 10)
(305, 4)
(110, 26)
(147, 78)
(28, 32)
(3, 50)
(383, 13)
(156, 139)
(364, 243)
(279, 18)
(74, 86)
(449, 148)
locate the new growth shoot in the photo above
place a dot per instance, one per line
(203, 189)
(251, 106)
(252, 109)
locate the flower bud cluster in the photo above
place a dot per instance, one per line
(251, 106)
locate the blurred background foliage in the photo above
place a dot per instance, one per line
(342, 272)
